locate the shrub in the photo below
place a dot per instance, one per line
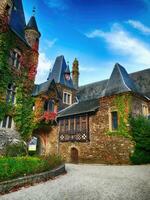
(140, 130)
(13, 167)
(17, 149)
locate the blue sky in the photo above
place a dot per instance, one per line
(98, 33)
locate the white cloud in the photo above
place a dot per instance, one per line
(50, 43)
(57, 4)
(122, 43)
(43, 69)
(139, 26)
(87, 69)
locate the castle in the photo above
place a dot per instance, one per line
(82, 124)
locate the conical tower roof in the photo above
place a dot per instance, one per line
(32, 24)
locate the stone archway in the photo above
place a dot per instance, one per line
(40, 146)
(74, 155)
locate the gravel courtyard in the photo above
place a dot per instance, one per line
(91, 182)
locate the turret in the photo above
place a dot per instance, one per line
(32, 33)
(67, 72)
(75, 73)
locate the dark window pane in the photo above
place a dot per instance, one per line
(46, 106)
(66, 125)
(114, 120)
(4, 122)
(77, 123)
(65, 98)
(51, 106)
(72, 124)
(9, 122)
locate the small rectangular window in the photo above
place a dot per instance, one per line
(61, 123)
(67, 98)
(78, 123)
(114, 117)
(72, 124)
(7, 122)
(66, 124)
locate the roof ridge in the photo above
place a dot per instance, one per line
(61, 66)
(119, 66)
(93, 83)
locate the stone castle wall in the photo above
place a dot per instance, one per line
(102, 148)
(7, 136)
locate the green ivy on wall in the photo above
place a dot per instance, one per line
(122, 104)
(22, 111)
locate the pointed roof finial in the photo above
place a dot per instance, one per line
(34, 10)
(67, 71)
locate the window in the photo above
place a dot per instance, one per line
(72, 124)
(15, 58)
(7, 122)
(83, 123)
(78, 123)
(66, 125)
(75, 128)
(49, 106)
(114, 118)
(145, 109)
(11, 93)
(67, 98)
(61, 124)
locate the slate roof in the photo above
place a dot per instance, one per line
(32, 24)
(17, 18)
(58, 72)
(140, 80)
(44, 87)
(80, 108)
(119, 82)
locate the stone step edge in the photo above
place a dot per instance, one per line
(7, 186)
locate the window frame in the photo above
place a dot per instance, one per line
(145, 111)
(11, 94)
(9, 121)
(67, 98)
(15, 56)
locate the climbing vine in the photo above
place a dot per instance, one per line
(21, 112)
(122, 104)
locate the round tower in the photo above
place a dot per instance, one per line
(32, 33)
(75, 73)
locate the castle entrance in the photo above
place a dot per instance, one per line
(74, 155)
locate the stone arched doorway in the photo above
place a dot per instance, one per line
(40, 146)
(74, 155)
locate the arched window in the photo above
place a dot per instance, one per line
(15, 57)
(49, 106)
(11, 93)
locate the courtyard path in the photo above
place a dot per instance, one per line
(91, 182)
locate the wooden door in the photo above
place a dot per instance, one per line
(74, 155)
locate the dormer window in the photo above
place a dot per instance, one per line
(49, 106)
(11, 93)
(67, 98)
(16, 59)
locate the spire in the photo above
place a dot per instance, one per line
(75, 73)
(67, 71)
(32, 24)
